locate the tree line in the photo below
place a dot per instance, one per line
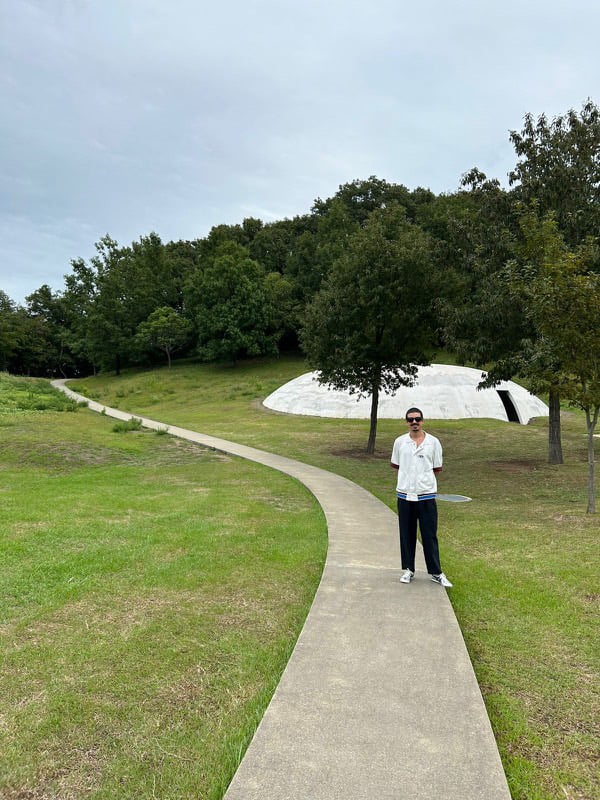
(367, 283)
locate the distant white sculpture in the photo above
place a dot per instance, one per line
(440, 391)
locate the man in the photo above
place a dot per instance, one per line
(418, 458)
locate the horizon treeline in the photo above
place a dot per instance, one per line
(241, 291)
(244, 289)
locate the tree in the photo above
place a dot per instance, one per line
(152, 273)
(7, 329)
(33, 352)
(581, 344)
(286, 310)
(231, 307)
(79, 294)
(164, 329)
(32, 337)
(115, 292)
(273, 244)
(52, 314)
(318, 247)
(183, 258)
(361, 197)
(221, 235)
(559, 169)
(561, 297)
(112, 316)
(492, 329)
(366, 330)
(466, 257)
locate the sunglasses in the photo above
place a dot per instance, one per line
(410, 420)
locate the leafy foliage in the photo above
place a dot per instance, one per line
(561, 299)
(234, 317)
(126, 426)
(559, 172)
(559, 168)
(164, 329)
(367, 328)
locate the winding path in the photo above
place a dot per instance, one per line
(379, 699)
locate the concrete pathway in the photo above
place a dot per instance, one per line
(379, 699)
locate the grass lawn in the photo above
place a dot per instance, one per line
(523, 555)
(150, 594)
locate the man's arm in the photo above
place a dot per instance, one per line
(437, 457)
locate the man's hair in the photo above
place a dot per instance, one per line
(412, 410)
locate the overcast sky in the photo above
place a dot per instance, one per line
(132, 116)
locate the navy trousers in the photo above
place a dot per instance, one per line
(425, 513)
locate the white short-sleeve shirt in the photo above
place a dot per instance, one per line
(416, 478)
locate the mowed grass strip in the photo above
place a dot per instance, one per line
(151, 592)
(523, 556)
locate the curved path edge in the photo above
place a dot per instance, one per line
(379, 699)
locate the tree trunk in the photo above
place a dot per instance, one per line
(60, 359)
(591, 425)
(373, 427)
(555, 455)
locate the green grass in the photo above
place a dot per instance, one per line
(150, 594)
(18, 397)
(133, 424)
(523, 555)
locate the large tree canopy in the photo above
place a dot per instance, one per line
(165, 329)
(368, 327)
(232, 308)
(7, 329)
(561, 299)
(559, 169)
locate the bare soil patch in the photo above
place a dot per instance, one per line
(519, 465)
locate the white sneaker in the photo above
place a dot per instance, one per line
(407, 576)
(442, 580)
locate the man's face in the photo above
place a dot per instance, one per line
(414, 420)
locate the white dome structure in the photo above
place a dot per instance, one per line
(441, 391)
